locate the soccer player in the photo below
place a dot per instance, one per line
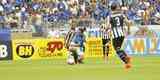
(80, 40)
(105, 42)
(69, 42)
(116, 21)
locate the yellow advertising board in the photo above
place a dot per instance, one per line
(38, 49)
(52, 48)
(94, 48)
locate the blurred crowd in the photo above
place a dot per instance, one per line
(15, 13)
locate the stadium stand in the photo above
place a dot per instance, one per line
(35, 15)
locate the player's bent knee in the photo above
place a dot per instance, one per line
(118, 49)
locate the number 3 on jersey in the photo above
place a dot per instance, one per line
(3, 51)
(117, 21)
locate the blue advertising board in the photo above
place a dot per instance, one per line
(5, 45)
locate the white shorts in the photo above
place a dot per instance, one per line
(72, 46)
(78, 49)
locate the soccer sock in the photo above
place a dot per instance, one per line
(75, 56)
(123, 56)
(103, 49)
(107, 50)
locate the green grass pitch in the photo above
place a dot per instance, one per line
(144, 68)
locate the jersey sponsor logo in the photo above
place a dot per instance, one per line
(25, 51)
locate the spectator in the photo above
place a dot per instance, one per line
(158, 6)
(131, 13)
(152, 2)
(4, 2)
(143, 11)
(8, 7)
(2, 20)
(1, 8)
(13, 20)
(23, 17)
(57, 10)
(120, 2)
(61, 5)
(157, 19)
(74, 9)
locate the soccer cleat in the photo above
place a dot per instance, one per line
(80, 62)
(129, 60)
(128, 64)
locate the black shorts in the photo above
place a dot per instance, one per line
(105, 48)
(117, 42)
(105, 41)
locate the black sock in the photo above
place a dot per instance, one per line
(123, 56)
(75, 56)
(107, 50)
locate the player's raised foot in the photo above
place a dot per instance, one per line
(129, 60)
(128, 64)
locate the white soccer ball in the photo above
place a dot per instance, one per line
(70, 59)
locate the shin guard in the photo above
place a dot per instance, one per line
(123, 56)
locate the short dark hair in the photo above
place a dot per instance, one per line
(114, 6)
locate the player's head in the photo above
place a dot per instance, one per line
(73, 24)
(114, 6)
(81, 29)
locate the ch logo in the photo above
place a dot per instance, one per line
(25, 51)
(3, 51)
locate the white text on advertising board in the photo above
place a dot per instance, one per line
(3, 51)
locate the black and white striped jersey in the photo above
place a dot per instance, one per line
(117, 25)
(105, 33)
(69, 37)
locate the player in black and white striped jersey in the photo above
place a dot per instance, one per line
(117, 25)
(69, 37)
(70, 45)
(105, 35)
(116, 21)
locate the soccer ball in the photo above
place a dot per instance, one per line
(70, 60)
